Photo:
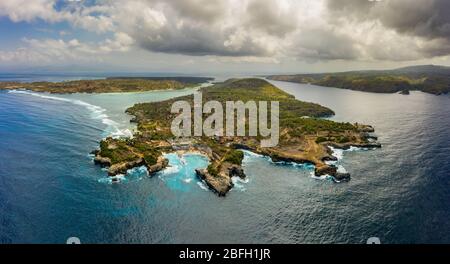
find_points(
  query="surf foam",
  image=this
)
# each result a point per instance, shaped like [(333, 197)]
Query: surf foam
[(97, 113)]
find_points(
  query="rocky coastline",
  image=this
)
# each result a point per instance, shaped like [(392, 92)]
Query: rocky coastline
[(123, 167), (302, 140), (221, 182)]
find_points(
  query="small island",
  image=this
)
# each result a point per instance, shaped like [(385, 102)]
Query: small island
[(109, 85), (304, 137), (427, 78)]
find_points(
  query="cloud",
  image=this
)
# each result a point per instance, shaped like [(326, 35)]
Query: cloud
[(88, 18), (425, 18), (200, 27), (425, 24), (310, 45), (57, 50), (274, 19), (16, 11), (244, 30)]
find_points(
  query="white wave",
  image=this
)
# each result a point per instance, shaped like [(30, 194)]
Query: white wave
[(352, 148), (120, 133), (252, 154), (341, 169), (239, 184), (337, 153), (236, 179), (323, 177), (248, 155), (138, 171), (91, 157), (187, 180), (97, 113), (202, 186), (110, 180), (171, 170)]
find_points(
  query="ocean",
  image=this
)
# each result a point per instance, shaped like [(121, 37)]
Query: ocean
[(50, 189)]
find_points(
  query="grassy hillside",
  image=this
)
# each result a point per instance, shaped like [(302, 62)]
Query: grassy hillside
[(109, 85), (235, 90), (302, 139), (429, 79)]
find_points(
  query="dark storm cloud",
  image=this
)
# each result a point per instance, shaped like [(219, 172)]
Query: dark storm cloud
[(315, 44), (427, 18), (265, 16), (197, 41), (197, 28), (311, 30)]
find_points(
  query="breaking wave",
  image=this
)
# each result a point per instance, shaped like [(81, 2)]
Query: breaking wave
[(97, 113)]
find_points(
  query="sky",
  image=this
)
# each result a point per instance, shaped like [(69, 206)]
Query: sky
[(229, 36)]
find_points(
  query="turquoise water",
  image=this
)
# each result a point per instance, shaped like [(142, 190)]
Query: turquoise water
[(51, 190), (180, 175)]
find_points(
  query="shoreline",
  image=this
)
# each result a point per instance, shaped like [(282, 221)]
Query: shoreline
[(200, 147), (100, 93), (108, 85), (303, 141), (325, 168)]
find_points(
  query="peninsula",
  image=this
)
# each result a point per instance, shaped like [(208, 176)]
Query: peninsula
[(304, 136), (428, 78), (109, 85)]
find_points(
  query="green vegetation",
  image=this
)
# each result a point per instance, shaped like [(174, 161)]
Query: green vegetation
[(110, 85), (303, 134), (429, 79), (149, 152), (237, 90), (234, 157), (297, 118), (212, 169), (117, 150), (128, 150), (343, 139), (321, 140), (260, 90)]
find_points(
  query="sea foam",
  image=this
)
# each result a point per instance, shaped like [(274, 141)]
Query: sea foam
[(97, 113)]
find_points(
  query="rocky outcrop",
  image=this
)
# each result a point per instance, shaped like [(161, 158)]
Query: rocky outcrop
[(365, 128), (278, 156), (404, 92), (102, 161), (330, 158), (159, 166), (332, 171), (346, 146), (369, 136), (236, 171), (342, 177), (221, 183), (122, 168), (325, 170)]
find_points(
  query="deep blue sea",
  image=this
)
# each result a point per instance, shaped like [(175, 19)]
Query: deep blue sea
[(50, 189)]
